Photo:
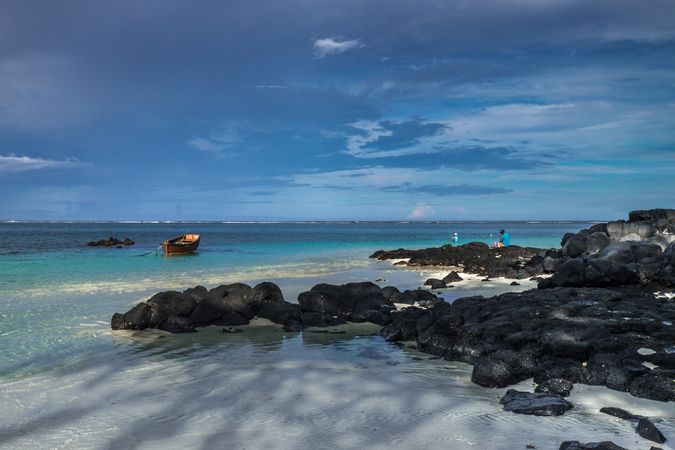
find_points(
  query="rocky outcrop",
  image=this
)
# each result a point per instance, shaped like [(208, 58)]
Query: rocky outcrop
[(110, 242), (654, 226), (617, 264), (573, 335), (225, 305), (638, 251), (478, 258), (236, 304)]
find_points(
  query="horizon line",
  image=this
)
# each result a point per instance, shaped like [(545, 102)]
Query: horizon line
[(343, 221)]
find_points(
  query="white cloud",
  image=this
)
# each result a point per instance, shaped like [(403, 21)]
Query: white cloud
[(329, 46), (12, 163), (421, 211), (220, 143), (272, 86)]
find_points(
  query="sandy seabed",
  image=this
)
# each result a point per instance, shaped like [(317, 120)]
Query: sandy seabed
[(263, 388)]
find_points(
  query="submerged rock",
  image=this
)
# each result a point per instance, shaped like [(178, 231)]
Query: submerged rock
[(110, 242), (604, 445), (620, 413), (538, 404), (647, 430), (435, 283)]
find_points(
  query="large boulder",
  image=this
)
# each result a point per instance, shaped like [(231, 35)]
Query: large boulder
[(266, 292), (167, 304), (225, 305), (137, 318), (327, 304)]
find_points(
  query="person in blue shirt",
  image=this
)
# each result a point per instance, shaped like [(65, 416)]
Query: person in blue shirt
[(505, 239)]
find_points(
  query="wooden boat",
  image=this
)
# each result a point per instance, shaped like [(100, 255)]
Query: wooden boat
[(181, 245)]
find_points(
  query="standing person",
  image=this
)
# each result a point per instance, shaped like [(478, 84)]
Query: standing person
[(455, 238)]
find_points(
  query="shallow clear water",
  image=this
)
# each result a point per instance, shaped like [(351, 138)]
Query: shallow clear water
[(56, 293), (67, 381)]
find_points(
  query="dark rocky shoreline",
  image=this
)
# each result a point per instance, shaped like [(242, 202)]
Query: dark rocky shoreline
[(237, 304), (598, 320), (478, 258)]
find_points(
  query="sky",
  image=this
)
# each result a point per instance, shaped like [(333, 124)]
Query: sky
[(336, 110)]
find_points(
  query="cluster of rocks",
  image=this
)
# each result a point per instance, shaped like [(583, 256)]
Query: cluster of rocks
[(558, 336), (478, 258), (638, 251), (595, 321), (544, 404), (644, 426), (237, 304), (445, 282), (111, 242)]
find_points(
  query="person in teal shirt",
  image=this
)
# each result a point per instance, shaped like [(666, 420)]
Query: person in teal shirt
[(505, 239)]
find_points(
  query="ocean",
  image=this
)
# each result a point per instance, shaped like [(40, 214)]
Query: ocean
[(68, 381)]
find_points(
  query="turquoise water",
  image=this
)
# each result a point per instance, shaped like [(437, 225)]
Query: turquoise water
[(57, 295), (44, 258)]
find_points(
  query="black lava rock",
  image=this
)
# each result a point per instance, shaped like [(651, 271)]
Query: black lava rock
[(452, 277), (475, 257), (557, 386), (538, 404), (620, 413), (576, 445), (647, 430)]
